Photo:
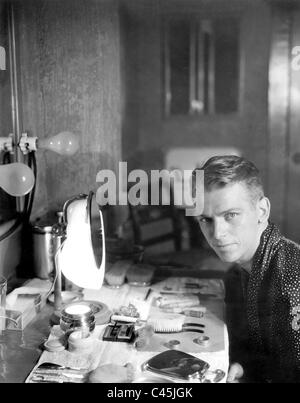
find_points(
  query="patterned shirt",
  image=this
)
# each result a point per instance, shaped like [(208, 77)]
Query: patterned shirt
[(263, 311)]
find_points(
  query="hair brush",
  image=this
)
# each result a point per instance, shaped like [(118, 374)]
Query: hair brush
[(173, 324)]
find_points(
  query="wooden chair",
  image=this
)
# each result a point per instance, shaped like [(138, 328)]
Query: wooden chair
[(157, 227)]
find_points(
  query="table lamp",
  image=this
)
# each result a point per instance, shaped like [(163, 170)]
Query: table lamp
[(80, 257), (17, 179), (63, 143)]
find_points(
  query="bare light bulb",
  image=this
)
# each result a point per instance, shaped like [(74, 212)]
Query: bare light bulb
[(17, 179), (64, 143)]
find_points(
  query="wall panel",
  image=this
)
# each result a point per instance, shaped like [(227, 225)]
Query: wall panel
[(69, 54)]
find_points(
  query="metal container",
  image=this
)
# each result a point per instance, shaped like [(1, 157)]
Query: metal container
[(43, 259), (77, 316)]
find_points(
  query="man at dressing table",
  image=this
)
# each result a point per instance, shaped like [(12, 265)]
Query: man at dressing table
[(263, 286)]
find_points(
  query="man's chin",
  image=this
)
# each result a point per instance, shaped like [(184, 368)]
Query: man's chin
[(227, 257)]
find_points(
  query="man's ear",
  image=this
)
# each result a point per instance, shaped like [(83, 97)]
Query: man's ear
[(264, 207)]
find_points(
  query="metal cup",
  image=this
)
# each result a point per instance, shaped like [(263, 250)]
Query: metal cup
[(3, 290)]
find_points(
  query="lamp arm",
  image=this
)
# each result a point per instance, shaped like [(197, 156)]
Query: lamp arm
[(68, 202), (58, 277)]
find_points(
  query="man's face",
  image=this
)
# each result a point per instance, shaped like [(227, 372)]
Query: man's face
[(230, 223)]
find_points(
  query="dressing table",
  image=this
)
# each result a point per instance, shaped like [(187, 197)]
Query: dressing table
[(22, 351)]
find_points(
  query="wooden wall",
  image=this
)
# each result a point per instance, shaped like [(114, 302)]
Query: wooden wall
[(69, 66), (5, 100)]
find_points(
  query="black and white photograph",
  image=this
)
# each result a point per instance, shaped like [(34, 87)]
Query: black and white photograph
[(150, 194)]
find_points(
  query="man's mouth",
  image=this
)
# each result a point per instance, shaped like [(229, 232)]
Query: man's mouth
[(223, 246)]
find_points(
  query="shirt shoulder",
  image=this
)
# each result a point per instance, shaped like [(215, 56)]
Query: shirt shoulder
[(287, 251), (286, 261)]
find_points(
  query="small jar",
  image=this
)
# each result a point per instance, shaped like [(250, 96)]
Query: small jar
[(140, 274), (77, 316)]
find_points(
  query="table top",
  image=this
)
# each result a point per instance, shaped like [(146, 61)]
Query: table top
[(21, 351), (108, 352)]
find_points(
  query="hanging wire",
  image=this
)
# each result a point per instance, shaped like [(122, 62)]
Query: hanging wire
[(6, 158), (30, 196), (24, 216), (11, 229)]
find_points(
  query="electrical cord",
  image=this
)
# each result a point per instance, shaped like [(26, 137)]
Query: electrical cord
[(6, 158), (30, 196), (12, 228)]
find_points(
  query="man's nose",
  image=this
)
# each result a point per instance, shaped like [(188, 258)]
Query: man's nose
[(219, 230)]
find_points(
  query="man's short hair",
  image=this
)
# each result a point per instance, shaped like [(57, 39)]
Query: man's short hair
[(223, 170)]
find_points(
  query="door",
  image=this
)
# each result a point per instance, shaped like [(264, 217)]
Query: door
[(284, 120)]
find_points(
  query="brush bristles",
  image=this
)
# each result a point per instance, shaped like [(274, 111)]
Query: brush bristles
[(168, 324)]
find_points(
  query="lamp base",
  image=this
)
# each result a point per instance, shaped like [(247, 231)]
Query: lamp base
[(67, 297), (55, 318)]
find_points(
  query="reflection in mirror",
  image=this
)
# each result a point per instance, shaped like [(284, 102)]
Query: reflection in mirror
[(201, 65)]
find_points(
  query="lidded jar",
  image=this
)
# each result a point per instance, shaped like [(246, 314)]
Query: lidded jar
[(77, 316)]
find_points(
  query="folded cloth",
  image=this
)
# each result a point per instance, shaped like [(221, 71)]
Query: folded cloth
[(112, 373), (191, 285)]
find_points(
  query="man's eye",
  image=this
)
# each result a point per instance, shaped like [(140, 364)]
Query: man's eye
[(203, 220), (230, 216)]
